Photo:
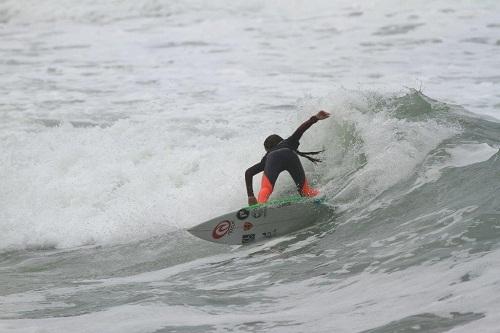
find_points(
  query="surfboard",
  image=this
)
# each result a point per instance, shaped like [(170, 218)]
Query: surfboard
[(262, 222)]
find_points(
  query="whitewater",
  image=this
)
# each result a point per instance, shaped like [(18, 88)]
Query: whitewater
[(123, 123)]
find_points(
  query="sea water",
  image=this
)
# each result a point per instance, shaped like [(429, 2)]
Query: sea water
[(123, 123)]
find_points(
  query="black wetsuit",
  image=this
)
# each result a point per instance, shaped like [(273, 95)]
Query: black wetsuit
[(281, 157)]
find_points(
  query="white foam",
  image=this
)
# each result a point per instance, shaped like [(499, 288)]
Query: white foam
[(69, 186)]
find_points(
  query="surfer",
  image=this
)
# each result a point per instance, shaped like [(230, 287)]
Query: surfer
[(281, 155)]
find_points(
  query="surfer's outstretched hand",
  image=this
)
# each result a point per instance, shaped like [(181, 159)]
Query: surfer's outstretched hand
[(322, 115), (252, 201)]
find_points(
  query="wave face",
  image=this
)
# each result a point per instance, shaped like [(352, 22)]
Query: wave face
[(125, 122)]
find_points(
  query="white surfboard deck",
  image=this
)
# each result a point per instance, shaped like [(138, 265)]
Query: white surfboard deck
[(261, 222)]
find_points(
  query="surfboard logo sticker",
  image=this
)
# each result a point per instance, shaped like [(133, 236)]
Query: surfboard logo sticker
[(245, 239), (242, 214), (258, 212), (222, 228), (247, 226), (269, 234)]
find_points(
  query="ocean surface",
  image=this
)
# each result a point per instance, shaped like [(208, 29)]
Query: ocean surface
[(123, 123)]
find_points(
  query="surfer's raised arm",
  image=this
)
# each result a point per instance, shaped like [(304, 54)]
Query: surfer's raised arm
[(272, 144), (305, 126)]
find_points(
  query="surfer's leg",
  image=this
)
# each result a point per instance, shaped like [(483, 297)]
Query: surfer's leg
[(296, 170), (266, 188), (271, 172)]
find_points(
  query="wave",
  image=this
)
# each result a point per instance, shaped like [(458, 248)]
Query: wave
[(69, 186), (421, 182)]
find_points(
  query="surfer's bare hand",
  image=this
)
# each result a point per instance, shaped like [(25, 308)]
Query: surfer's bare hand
[(322, 115), (252, 201)]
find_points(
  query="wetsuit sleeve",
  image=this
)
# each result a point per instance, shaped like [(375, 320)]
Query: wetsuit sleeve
[(252, 171), (302, 128), (293, 141)]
